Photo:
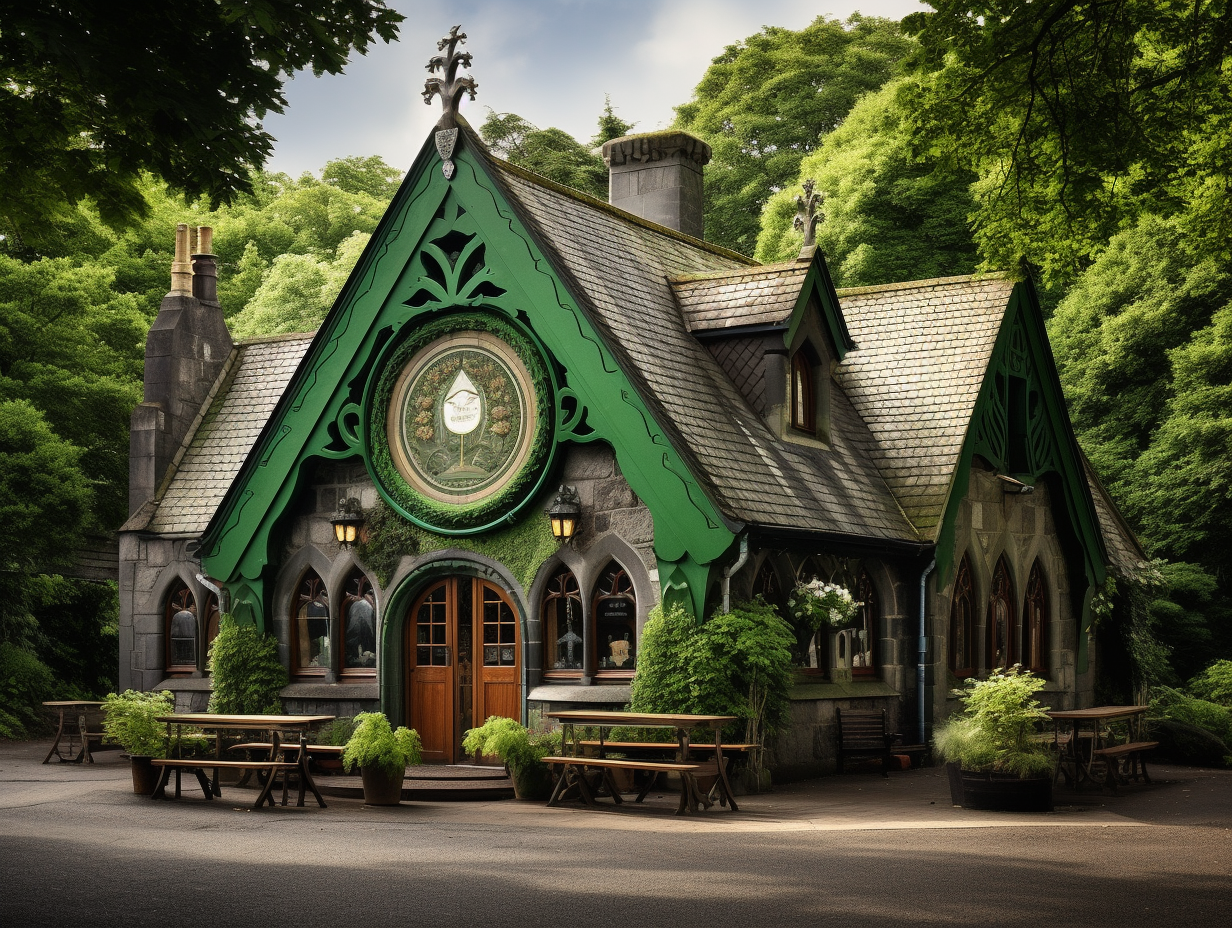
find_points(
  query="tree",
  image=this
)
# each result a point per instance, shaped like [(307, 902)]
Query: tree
[(1079, 115), (552, 153), (889, 215), (93, 95), (766, 102), (611, 126)]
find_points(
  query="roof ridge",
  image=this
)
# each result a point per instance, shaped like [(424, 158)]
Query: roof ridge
[(276, 337), (587, 200), (924, 284), (755, 271)]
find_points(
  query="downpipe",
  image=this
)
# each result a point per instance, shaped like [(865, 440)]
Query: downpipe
[(729, 572), (923, 652)]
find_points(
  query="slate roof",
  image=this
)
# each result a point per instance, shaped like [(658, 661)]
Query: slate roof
[(750, 296), (1125, 554), (620, 268), (924, 348), (251, 386)]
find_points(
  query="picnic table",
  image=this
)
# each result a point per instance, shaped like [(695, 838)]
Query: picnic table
[(275, 762), (575, 761), (1111, 734), (77, 719)]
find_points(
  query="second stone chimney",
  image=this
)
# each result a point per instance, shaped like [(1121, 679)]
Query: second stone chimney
[(658, 176)]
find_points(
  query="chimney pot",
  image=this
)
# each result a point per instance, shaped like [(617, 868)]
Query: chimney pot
[(181, 268), (205, 268)]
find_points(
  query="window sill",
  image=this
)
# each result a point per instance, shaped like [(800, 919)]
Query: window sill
[(856, 689), (603, 693), (303, 689)]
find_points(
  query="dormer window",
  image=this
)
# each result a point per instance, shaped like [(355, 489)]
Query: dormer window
[(803, 405)]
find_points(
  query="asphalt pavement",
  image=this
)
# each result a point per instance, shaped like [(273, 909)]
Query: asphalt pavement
[(78, 847)]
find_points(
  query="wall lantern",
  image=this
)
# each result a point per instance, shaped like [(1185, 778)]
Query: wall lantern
[(564, 513), (347, 522)]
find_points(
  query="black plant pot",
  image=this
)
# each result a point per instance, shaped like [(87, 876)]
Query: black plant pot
[(999, 792)]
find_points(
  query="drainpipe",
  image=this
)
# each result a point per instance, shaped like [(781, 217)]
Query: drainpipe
[(730, 572), (223, 600), (923, 645)]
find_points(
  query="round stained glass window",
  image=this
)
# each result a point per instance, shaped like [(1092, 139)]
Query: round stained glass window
[(459, 426)]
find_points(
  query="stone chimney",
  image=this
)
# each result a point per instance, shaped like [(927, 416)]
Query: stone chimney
[(658, 176), (185, 351)]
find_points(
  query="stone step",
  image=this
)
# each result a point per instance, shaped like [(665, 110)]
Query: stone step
[(432, 783)]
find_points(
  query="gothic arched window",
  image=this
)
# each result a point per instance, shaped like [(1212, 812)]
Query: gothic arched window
[(615, 622), (181, 630), (562, 624), (962, 625), (1002, 625), (358, 626), (1035, 629), (310, 633)]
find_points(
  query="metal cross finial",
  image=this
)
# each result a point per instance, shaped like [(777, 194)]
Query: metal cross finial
[(808, 216), (451, 87)]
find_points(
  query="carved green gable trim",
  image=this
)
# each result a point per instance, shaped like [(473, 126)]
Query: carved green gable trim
[(450, 247), (1020, 425), (818, 285)]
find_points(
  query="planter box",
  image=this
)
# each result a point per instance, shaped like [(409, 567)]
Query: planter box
[(999, 792)]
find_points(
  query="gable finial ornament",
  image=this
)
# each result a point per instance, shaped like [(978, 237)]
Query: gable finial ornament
[(450, 88), (808, 217)]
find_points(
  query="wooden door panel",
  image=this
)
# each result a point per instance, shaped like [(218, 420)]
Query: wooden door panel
[(501, 698), (432, 714)]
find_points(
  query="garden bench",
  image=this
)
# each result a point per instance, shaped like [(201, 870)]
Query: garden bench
[(573, 770), (198, 766), (1125, 760), (662, 746), (862, 733), (318, 751)]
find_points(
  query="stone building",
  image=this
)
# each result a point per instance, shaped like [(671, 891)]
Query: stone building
[(724, 429)]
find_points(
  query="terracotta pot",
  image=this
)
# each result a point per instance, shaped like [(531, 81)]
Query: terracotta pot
[(145, 774), (380, 787), (999, 792)]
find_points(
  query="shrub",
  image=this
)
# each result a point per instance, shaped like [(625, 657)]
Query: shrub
[(1213, 684), (131, 721), (1169, 703), (247, 674), (375, 744), (25, 682), (511, 741), (669, 651), (995, 731)]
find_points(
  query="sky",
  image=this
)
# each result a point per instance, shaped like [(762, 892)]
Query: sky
[(549, 61)]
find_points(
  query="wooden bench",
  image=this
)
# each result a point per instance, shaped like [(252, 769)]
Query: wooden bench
[(333, 751), (703, 746), (198, 766), (1129, 755), (862, 733), (573, 778), (93, 737)]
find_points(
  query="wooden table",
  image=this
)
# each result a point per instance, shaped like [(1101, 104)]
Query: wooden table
[(1090, 731), (682, 724), (273, 725), (72, 726)]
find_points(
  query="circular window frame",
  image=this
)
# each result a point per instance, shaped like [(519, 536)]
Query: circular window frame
[(403, 484)]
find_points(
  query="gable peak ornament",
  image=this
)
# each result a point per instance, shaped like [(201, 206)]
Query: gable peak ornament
[(450, 87), (808, 217)]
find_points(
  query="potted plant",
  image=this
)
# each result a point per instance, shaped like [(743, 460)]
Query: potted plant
[(994, 760), (521, 750), (821, 604), (382, 755), (131, 721)]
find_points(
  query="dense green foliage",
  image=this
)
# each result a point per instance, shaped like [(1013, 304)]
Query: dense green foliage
[(131, 721), (554, 153), (511, 741), (94, 95), (1214, 684), (890, 215), (994, 731), (25, 682), (375, 744), (767, 102), (737, 663), (1078, 116), (247, 675)]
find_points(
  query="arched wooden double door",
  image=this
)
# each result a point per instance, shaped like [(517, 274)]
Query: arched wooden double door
[(463, 656)]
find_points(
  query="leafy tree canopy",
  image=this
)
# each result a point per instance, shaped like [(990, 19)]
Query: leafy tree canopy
[(889, 215), (766, 102), (92, 95), (1078, 115)]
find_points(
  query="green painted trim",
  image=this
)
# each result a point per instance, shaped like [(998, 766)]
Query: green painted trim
[(817, 283), (685, 582), (1022, 347), (320, 415)]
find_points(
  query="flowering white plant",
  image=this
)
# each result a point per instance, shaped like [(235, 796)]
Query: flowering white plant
[(820, 603)]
